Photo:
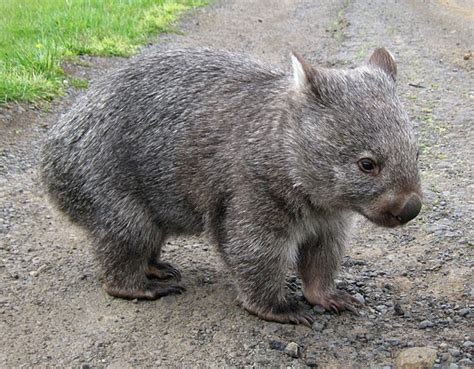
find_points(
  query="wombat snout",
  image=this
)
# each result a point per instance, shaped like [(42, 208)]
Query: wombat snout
[(410, 210)]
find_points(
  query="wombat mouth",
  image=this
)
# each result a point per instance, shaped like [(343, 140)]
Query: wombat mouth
[(385, 220), (393, 215)]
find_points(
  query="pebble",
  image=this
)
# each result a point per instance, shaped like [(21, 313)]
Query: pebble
[(318, 309), (293, 350), (318, 326), (425, 324), (359, 298), (398, 309), (393, 341), (277, 345), (466, 362), (311, 361), (444, 356), (454, 352), (464, 312), (467, 344), (453, 366)]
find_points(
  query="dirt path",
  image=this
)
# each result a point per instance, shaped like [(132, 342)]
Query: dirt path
[(416, 281)]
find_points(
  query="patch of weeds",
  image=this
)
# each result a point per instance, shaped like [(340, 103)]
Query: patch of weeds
[(78, 82), (363, 52), (36, 37), (338, 26)]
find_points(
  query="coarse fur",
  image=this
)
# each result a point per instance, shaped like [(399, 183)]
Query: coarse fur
[(266, 163)]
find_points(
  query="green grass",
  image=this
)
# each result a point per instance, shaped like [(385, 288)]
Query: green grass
[(36, 36)]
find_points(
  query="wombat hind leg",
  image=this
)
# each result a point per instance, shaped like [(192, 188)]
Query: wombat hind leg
[(151, 291), (283, 313), (162, 270), (128, 256)]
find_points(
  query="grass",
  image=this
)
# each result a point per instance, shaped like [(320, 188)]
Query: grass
[(36, 36)]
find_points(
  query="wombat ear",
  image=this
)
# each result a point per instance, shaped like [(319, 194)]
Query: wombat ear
[(385, 61), (303, 72)]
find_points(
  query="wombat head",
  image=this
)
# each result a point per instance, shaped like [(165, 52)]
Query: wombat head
[(352, 142)]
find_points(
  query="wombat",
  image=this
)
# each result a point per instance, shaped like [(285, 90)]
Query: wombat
[(270, 165)]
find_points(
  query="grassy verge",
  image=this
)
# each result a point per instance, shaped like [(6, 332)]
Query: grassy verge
[(37, 35)]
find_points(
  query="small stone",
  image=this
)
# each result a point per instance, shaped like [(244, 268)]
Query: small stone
[(293, 350), (467, 344), (464, 312), (454, 352), (425, 324), (398, 309), (467, 362), (311, 361), (359, 298), (453, 366), (393, 341), (416, 358), (86, 366), (443, 345), (318, 309), (437, 366), (277, 345), (135, 301), (444, 356), (319, 326)]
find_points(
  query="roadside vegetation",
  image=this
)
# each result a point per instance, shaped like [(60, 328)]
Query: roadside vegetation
[(37, 36)]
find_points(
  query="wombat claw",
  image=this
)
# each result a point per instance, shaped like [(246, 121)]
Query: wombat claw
[(153, 290), (339, 301), (163, 271), (293, 317)]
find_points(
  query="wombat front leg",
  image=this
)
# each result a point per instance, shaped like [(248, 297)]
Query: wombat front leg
[(262, 291), (259, 261), (319, 262)]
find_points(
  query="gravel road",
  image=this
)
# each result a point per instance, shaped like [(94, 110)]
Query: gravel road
[(417, 281)]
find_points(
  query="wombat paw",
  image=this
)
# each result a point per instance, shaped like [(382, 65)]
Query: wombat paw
[(335, 300), (287, 313), (163, 271), (152, 291)]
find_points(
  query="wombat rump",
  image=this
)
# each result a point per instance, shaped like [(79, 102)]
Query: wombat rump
[(270, 165)]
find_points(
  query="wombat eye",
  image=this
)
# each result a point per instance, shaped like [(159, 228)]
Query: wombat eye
[(368, 166)]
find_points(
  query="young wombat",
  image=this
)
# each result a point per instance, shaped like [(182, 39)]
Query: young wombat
[(269, 165)]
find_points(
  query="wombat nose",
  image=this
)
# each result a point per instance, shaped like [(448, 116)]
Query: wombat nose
[(410, 210)]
